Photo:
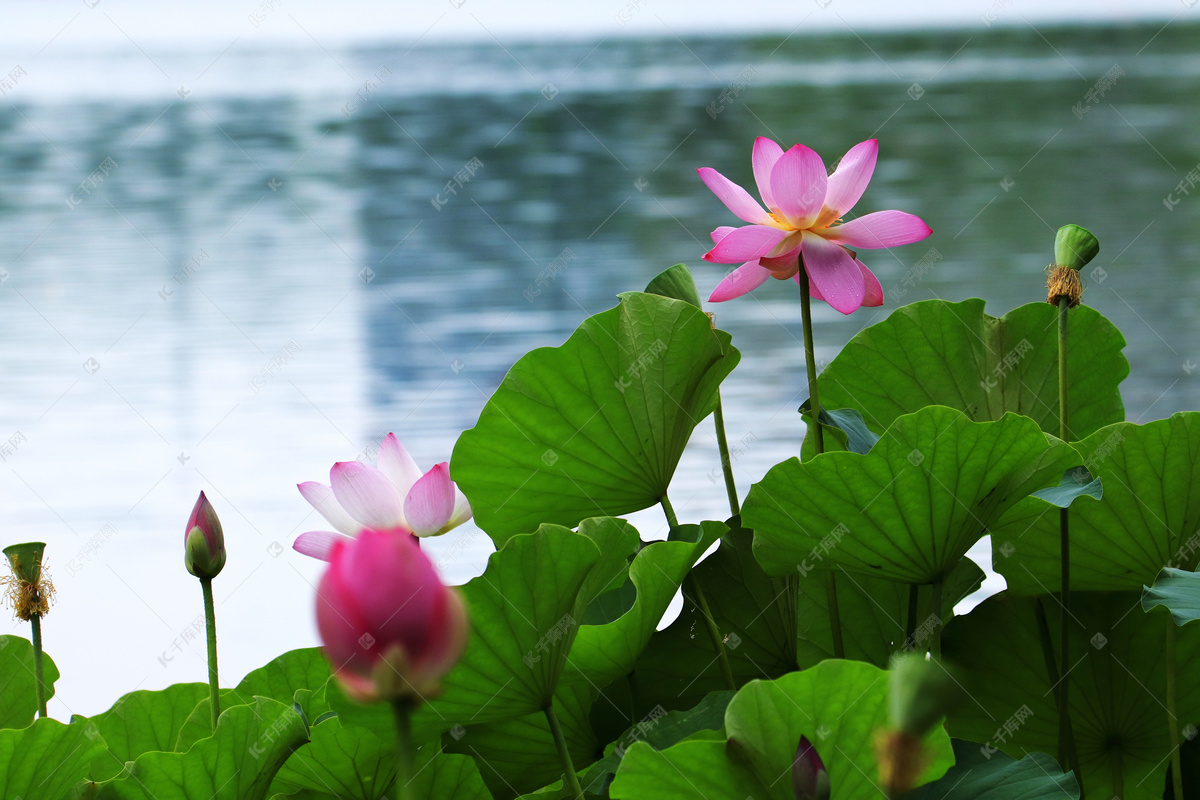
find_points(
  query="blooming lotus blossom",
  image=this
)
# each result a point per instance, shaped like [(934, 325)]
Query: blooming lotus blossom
[(389, 625), (802, 222), (392, 495)]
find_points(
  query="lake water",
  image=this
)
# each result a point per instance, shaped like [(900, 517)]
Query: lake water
[(272, 273)]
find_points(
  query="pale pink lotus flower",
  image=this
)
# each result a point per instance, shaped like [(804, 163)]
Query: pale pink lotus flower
[(393, 494), (806, 206)]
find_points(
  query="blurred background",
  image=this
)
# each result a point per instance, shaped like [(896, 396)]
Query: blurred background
[(240, 241)]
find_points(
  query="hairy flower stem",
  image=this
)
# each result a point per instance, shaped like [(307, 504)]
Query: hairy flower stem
[(1066, 739), (726, 464), (40, 680), (693, 585), (210, 623), (570, 779), (1172, 719), (402, 712), (810, 360)]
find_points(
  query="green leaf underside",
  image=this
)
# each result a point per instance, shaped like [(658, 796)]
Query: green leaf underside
[(677, 283), (237, 763), (912, 507), (937, 353), (147, 721), (1149, 517), (852, 432), (18, 689), (595, 427), (1179, 591), (1075, 483), (348, 762), (1118, 682), (43, 761), (838, 705), (996, 776)]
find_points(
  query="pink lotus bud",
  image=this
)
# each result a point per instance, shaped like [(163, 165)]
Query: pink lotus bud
[(810, 780), (203, 541), (391, 628)]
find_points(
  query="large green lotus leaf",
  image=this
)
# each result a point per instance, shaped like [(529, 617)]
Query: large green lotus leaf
[(909, 509), (45, 760), (595, 427), (838, 705), (1149, 517), (603, 653), (1118, 682), (874, 614), (518, 755), (953, 354), (751, 611), (348, 762), (18, 688), (676, 282), (1179, 591), (146, 722), (524, 611), (279, 679), (237, 763), (996, 776), (449, 777)]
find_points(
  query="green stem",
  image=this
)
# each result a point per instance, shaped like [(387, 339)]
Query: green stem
[(1069, 756), (571, 780), (40, 680), (814, 402), (1172, 719), (726, 463), (936, 647), (698, 593), (210, 623), (1066, 737), (910, 625), (1118, 775), (402, 712)]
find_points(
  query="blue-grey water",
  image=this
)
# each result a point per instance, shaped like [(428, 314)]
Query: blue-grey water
[(226, 271)]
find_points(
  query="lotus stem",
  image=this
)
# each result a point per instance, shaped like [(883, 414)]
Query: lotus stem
[(39, 676), (1055, 678), (570, 779), (910, 624), (698, 593), (210, 623), (402, 711), (1172, 719), (810, 360), (726, 464), (936, 647), (1118, 775)]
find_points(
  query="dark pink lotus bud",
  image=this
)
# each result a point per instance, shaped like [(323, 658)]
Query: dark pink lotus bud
[(203, 541), (391, 628), (810, 781)]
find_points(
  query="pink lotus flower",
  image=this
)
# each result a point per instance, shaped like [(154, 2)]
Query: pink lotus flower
[(805, 206), (389, 625), (392, 495)]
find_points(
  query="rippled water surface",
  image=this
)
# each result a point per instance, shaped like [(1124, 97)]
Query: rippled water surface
[(273, 273)]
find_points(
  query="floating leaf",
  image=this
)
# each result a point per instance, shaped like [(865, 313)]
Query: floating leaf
[(238, 762), (909, 509), (1179, 591), (976, 776), (18, 689), (953, 354), (595, 427), (838, 705), (1149, 517), (1118, 682)]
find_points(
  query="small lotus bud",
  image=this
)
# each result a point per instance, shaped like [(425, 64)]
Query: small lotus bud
[(810, 780), (203, 541), (1074, 247), (29, 590), (920, 693)]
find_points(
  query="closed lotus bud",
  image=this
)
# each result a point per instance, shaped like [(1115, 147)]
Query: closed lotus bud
[(203, 541), (810, 780), (29, 590), (390, 627)]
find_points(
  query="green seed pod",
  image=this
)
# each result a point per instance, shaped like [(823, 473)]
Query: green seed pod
[(1074, 247)]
